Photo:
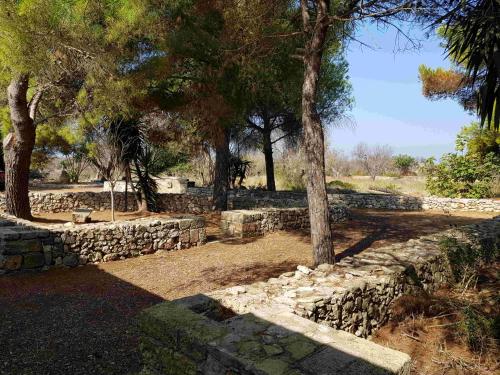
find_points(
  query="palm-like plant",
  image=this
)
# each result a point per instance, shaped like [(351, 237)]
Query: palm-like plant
[(472, 30)]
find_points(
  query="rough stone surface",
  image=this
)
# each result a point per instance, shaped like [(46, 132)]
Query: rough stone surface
[(23, 245), (199, 200), (250, 199), (194, 336), (356, 294), (67, 202), (248, 223)]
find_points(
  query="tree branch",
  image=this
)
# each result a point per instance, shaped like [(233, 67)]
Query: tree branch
[(34, 102)]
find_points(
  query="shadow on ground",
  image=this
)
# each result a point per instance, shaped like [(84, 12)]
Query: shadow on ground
[(65, 324)]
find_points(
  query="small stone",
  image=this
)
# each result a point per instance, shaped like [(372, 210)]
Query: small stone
[(13, 262), (273, 349), (305, 270), (111, 257), (33, 260), (70, 260)]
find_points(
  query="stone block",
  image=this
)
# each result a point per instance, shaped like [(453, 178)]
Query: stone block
[(13, 262), (33, 260), (70, 260), (23, 246)]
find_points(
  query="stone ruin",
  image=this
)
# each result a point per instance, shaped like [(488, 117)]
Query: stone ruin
[(305, 322)]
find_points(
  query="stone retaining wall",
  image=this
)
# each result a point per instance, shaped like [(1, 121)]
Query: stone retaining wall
[(25, 246), (249, 223), (65, 202), (356, 294)]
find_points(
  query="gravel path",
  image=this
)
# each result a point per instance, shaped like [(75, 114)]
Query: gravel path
[(81, 321)]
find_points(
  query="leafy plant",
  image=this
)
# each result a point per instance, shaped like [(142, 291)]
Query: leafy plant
[(477, 329), (465, 259), (404, 163), (462, 176)]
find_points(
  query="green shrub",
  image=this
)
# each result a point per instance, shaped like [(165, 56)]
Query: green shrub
[(478, 330), (465, 259), (404, 163), (460, 176)]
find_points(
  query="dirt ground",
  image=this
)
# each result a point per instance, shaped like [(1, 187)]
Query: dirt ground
[(81, 321), (431, 329)]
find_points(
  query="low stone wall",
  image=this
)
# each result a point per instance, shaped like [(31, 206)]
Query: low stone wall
[(249, 223), (25, 246), (195, 335), (250, 199), (410, 203), (356, 294), (199, 200), (65, 202)]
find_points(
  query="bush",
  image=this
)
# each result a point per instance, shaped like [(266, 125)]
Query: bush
[(404, 163), (478, 330), (465, 259), (291, 171), (341, 186), (459, 176)]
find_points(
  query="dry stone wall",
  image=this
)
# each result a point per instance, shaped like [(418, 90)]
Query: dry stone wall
[(410, 203), (249, 223), (356, 294), (65, 202), (25, 246), (199, 200)]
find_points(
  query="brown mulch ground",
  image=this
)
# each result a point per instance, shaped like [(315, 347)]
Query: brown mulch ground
[(432, 331), (81, 321)]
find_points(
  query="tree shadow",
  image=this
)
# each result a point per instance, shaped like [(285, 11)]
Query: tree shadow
[(268, 340), (70, 321)]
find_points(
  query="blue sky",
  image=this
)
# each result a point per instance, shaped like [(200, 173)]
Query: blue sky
[(389, 106)]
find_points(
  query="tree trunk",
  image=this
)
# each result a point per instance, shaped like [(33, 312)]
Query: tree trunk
[(221, 180), (321, 236), (112, 193), (18, 146), (268, 155)]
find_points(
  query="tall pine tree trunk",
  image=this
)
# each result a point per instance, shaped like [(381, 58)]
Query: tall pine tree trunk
[(268, 156), (18, 146), (321, 236), (221, 179)]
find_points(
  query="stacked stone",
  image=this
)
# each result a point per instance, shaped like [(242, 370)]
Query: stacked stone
[(195, 204), (101, 201), (246, 223), (24, 246), (409, 203), (461, 204), (191, 336), (356, 294)]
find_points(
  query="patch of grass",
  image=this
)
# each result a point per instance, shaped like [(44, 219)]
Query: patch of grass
[(386, 188), (341, 186)]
